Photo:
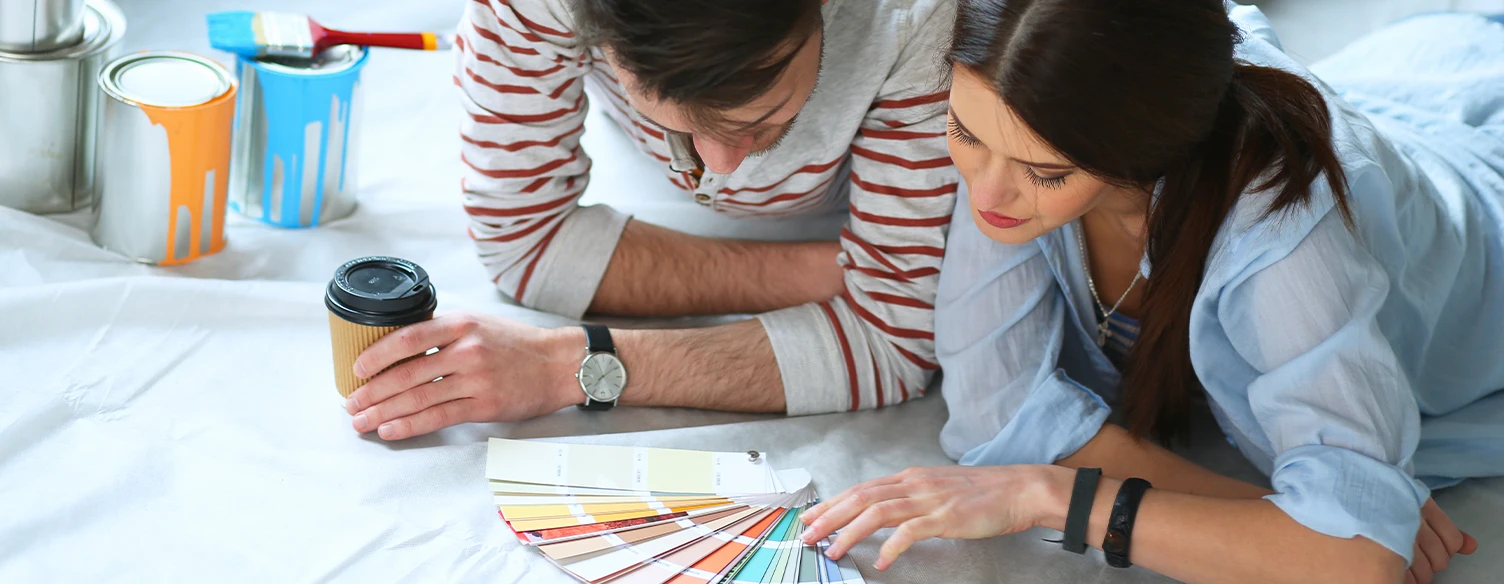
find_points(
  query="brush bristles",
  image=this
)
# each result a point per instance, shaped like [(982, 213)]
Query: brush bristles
[(262, 34), (236, 32)]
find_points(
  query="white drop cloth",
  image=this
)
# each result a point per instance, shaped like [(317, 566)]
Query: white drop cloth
[(174, 425)]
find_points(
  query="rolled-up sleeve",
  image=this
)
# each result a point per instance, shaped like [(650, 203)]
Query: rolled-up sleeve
[(521, 71), (1000, 324), (1330, 397), (873, 346)]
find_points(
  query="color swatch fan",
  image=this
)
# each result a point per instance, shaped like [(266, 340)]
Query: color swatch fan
[(653, 516)]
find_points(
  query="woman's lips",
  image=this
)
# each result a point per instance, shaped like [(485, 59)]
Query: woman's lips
[(1001, 221)]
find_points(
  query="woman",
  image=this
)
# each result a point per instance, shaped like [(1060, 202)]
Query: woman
[(1163, 207)]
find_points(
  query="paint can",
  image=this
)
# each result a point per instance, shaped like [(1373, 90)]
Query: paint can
[(296, 128), (49, 117), (39, 26), (164, 156)]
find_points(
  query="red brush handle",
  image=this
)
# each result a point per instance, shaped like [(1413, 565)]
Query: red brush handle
[(376, 39), (325, 38)]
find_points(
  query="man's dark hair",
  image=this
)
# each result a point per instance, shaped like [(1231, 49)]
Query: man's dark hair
[(706, 55)]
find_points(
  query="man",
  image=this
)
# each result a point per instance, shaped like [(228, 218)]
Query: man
[(754, 108)]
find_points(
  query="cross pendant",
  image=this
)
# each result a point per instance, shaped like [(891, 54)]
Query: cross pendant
[(1102, 334)]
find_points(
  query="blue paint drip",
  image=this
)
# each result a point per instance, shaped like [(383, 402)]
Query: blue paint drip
[(289, 104)]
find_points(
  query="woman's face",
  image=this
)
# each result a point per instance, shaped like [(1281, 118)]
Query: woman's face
[(1020, 188)]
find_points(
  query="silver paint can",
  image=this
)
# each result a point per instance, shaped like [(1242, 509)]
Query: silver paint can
[(49, 118), (39, 26), (296, 128), (164, 156)]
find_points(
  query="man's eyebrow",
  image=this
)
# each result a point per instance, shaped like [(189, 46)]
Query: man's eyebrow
[(771, 111), (739, 127), (1045, 165), (652, 121)]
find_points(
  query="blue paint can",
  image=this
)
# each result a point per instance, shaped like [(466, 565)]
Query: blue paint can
[(296, 128)]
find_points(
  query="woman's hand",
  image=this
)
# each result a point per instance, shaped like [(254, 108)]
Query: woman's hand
[(1439, 539), (959, 502)]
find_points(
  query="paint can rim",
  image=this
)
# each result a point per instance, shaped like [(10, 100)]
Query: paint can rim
[(109, 78), (104, 26), (349, 58)]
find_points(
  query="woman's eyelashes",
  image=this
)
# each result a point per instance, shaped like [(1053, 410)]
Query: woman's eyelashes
[(960, 134), (1049, 182), (965, 138)]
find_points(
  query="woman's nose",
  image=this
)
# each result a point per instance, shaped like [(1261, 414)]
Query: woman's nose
[(989, 189)]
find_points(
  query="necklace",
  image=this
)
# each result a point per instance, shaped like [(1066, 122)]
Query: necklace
[(1103, 331)]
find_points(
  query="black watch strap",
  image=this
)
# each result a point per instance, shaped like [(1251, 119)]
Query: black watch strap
[(1078, 515), (1116, 545), (598, 339)]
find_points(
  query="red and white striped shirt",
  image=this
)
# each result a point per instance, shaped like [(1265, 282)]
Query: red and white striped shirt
[(871, 137)]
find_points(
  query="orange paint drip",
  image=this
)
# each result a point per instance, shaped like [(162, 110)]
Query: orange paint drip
[(198, 141)]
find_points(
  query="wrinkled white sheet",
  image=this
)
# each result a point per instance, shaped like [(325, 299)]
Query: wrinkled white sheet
[(167, 425)]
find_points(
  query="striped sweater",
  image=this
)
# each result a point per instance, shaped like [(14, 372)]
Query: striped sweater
[(871, 138)]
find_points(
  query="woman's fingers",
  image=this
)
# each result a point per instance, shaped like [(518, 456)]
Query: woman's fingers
[(883, 514), (1469, 545), (907, 534), (1420, 567), (1431, 545), (815, 512), (852, 504), (1451, 537)]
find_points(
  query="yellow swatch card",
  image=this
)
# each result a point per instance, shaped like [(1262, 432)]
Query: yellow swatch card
[(628, 468)]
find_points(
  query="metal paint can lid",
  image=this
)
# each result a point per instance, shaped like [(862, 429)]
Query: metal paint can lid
[(104, 25), (165, 79), (336, 59)]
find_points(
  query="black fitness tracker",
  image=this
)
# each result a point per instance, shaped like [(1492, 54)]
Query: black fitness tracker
[(1083, 493), (1119, 537)]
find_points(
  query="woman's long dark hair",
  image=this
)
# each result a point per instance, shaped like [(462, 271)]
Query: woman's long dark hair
[(1135, 92)]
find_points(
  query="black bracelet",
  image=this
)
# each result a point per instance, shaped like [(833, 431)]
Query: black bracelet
[(1119, 537), (1078, 515)]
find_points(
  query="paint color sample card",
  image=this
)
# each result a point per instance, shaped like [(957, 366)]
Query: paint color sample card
[(627, 468), (629, 515)]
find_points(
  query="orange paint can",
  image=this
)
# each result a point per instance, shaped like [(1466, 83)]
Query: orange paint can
[(164, 157)]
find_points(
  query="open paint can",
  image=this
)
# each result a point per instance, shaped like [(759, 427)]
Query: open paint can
[(296, 130), (49, 115), (164, 156), (39, 26)]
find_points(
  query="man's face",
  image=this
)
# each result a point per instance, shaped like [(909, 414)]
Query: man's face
[(748, 130)]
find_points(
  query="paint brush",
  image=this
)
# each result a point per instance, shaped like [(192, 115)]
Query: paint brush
[(281, 34)]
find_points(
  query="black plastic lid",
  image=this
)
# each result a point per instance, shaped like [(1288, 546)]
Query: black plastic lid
[(381, 291)]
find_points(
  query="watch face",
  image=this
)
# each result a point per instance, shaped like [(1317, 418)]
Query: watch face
[(602, 377)]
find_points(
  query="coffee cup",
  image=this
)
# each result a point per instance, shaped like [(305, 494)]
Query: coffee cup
[(369, 298)]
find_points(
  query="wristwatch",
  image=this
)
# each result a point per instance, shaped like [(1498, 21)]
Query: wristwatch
[(602, 376)]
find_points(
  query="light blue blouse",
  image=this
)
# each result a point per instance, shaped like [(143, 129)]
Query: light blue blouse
[(1357, 370)]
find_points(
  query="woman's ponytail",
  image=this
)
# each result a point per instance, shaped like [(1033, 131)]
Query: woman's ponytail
[(1272, 133)]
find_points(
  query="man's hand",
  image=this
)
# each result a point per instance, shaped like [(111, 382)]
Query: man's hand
[(498, 370), (492, 370)]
